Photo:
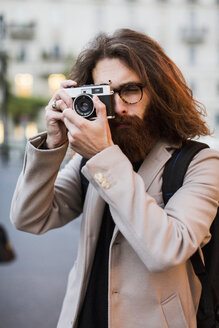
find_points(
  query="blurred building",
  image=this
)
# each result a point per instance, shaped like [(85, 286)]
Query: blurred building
[(44, 37)]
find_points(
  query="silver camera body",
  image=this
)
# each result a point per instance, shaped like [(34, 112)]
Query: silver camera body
[(83, 102)]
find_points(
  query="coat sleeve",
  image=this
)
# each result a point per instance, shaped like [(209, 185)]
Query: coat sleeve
[(46, 198), (162, 237)]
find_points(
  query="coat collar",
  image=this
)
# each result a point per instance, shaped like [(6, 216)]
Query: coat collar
[(154, 161)]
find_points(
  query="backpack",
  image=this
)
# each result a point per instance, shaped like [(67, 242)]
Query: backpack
[(208, 274)]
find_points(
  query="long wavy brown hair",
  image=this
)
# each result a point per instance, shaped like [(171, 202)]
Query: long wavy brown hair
[(173, 113)]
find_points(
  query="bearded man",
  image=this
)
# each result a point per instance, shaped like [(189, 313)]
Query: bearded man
[(133, 268)]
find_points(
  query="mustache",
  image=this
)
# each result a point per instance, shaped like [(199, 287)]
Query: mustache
[(133, 120)]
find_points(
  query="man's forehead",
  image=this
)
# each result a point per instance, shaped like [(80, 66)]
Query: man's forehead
[(114, 71)]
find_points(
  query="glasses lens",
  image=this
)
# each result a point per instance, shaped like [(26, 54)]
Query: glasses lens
[(131, 93)]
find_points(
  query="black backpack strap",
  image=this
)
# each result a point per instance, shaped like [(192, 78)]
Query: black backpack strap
[(173, 177), (84, 181), (177, 166), (206, 311), (211, 255)]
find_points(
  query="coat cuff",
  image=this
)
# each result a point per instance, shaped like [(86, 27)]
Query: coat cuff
[(99, 169)]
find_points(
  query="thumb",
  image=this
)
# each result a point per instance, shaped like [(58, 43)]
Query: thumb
[(100, 108)]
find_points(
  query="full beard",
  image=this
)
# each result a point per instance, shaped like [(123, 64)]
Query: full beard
[(132, 135)]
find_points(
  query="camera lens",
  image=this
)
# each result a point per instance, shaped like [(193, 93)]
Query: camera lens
[(84, 105)]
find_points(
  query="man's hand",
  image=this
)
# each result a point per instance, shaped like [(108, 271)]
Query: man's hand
[(56, 129), (88, 137)]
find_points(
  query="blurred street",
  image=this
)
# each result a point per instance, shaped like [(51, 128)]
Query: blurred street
[(39, 44), (33, 286)]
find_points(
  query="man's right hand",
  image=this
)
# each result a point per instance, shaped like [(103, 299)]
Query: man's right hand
[(56, 129)]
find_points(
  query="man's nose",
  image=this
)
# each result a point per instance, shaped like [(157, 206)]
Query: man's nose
[(120, 106)]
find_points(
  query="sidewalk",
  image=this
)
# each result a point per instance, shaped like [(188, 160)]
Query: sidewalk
[(33, 286)]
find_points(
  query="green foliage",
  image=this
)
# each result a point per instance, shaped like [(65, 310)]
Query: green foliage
[(28, 107)]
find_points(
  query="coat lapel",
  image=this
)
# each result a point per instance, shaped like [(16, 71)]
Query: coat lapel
[(153, 163)]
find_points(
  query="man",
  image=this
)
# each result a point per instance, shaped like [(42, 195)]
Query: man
[(133, 268)]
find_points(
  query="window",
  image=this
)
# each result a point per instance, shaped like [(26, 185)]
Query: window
[(192, 1), (217, 118), (217, 55), (192, 55), (217, 88), (22, 54), (56, 51)]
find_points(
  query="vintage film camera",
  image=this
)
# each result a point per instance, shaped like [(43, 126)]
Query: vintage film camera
[(83, 102)]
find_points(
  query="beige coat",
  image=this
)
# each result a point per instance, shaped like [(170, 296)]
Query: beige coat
[(151, 281)]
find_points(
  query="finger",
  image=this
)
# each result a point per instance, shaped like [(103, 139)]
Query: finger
[(79, 121), (72, 143), (67, 84), (60, 105), (68, 124), (73, 131), (61, 95), (54, 115), (100, 108)]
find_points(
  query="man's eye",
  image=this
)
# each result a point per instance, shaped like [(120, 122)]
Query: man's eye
[(131, 89)]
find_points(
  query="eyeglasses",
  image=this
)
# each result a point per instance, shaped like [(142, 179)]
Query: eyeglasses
[(130, 93)]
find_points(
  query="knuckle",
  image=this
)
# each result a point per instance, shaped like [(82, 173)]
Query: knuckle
[(59, 103), (47, 110), (71, 139), (48, 115), (63, 83), (101, 107), (56, 95), (72, 135), (82, 125), (66, 113)]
